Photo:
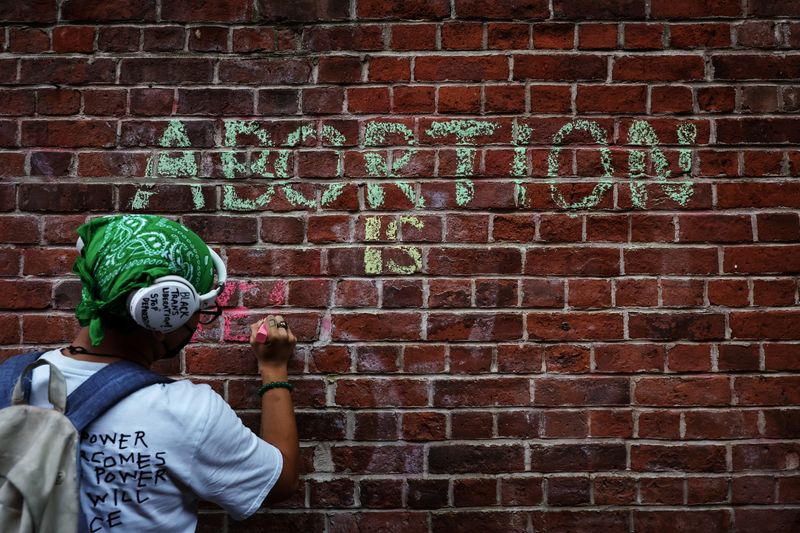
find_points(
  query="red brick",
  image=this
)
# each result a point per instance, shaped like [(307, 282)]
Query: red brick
[(565, 491), (565, 67), (108, 11), (376, 326), (597, 36), (24, 294), (208, 39), (273, 262), (402, 293), (551, 98), (689, 358), (644, 36), (164, 38), (654, 521), (349, 37), (459, 99), (661, 424), (424, 358), (504, 36), (587, 294), (706, 490), (423, 426), (64, 197), (474, 492), (706, 35), (504, 99), (502, 9), (593, 261), (611, 98), (683, 391), (637, 292), (61, 229), (663, 68), (671, 261), (118, 39), (721, 424), (414, 99), (752, 66), (49, 261), (380, 393), (629, 358), (17, 102), (553, 36), (48, 329), (601, 9), (167, 70), (104, 102), (760, 99), (474, 327), (303, 10), (686, 457), (761, 259), (58, 102), (461, 68), (379, 359), (671, 99), (682, 293), (482, 459), (368, 100), (675, 326), (28, 40), (462, 35), (775, 292), (778, 227), (260, 39), (339, 69), (682, 9), (73, 39), (391, 522), (208, 11), (414, 37), (615, 423), (278, 101), (716, 99), (755, 34), (610, 490), (380, 493), (396, 9)]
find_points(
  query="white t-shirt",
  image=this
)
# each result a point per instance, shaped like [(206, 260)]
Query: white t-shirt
[(147, 460)]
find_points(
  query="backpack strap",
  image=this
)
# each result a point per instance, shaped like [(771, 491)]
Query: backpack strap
[(10, 371), (105, 388)]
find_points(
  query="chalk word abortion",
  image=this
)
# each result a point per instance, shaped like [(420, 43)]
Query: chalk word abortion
[(178, 160)]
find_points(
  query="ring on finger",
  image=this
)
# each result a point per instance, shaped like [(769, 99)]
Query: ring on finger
[(282, 324)]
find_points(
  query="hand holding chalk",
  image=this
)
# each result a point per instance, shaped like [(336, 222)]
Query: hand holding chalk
[(263, 333)]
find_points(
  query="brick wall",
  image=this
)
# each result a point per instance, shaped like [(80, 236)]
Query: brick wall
[(540, 255)]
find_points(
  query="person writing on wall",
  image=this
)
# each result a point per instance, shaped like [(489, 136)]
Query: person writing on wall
[(147, 282)]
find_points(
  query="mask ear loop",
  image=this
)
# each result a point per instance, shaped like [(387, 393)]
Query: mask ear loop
[(207, 299)]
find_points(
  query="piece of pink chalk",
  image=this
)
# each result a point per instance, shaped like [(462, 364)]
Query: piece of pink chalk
[(263, 333)]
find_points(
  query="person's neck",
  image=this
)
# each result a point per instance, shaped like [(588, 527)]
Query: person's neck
[(113, 347)]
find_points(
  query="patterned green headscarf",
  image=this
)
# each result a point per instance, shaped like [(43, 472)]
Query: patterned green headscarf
[(127, 252)]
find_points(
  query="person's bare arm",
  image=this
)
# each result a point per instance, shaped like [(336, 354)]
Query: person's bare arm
[(278, 425)]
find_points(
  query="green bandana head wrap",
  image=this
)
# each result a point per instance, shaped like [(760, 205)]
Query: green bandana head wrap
[(127, 252)]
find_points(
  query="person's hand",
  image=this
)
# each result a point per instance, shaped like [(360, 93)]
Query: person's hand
[(276, 352)]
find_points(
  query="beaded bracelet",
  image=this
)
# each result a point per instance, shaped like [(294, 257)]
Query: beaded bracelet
[(275, 385)]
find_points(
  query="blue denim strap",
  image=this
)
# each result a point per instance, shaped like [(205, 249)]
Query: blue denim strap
[(10, 371), (105, 388)]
